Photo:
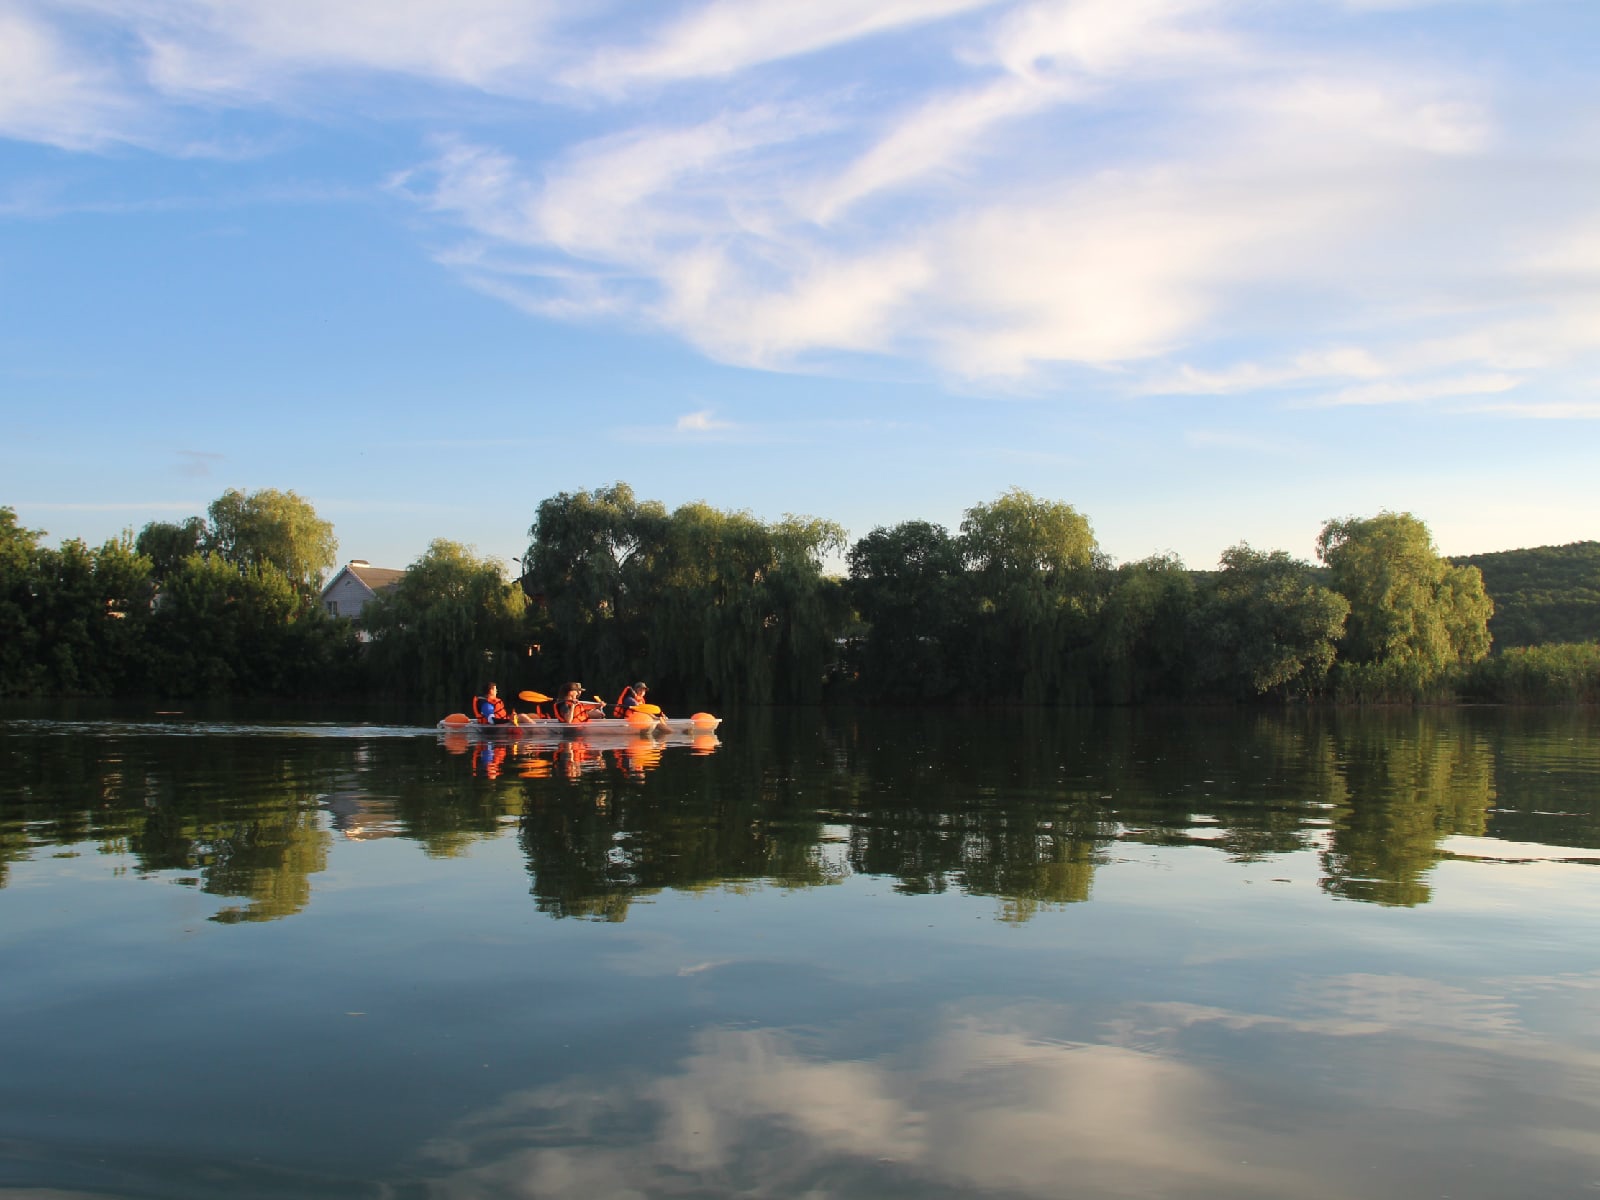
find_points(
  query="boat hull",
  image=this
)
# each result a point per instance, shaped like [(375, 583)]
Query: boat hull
[(600, 727)]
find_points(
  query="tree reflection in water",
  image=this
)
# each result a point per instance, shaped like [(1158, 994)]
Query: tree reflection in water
[(1028, 807)]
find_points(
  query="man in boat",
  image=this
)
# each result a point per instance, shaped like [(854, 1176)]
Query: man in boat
[(632, 697), (571, 707), (491, 710)]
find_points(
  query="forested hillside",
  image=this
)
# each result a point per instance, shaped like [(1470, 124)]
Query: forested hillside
[(1542, 595)]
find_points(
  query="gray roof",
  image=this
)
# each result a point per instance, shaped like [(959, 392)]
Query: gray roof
[(376, 578)]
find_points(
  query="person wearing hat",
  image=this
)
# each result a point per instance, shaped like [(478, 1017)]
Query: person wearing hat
[(632, 696), (571, 707)]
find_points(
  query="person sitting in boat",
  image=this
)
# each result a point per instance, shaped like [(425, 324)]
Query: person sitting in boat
[(571, 707), (632, 696), (491, 710)]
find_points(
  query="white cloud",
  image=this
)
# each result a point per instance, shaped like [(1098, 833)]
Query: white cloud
[(931, 139), (1553, 411), (1187, 194), (51, 92), (1111, 40), (1418, 391), (239, 47), (704, 421), (843, 304), (1345, 362), (728, 36), (1366, 104)]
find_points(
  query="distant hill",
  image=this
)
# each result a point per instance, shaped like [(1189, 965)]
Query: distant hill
[(1542, 595)]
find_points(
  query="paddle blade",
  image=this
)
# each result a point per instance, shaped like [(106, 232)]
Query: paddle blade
[(533, 697), (653, 709), (457, 719)]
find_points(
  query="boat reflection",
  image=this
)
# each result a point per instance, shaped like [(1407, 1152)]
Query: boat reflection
[(543, 756)]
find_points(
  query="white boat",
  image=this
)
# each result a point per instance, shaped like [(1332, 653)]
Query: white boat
[(613, 727)]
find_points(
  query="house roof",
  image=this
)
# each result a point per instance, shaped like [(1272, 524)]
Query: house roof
[(375, 579)]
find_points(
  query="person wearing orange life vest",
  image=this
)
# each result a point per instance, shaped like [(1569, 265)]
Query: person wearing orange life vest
[(632, 696), (571, 707), (489, 709)]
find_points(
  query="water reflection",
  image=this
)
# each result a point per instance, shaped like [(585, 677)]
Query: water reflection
[(1028, 809), (536, 756), (1044, 1099)]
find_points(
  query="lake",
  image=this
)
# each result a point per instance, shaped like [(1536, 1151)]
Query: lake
[(822, 954)]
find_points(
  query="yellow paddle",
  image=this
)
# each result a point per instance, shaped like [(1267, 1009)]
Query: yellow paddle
[(533, 697)]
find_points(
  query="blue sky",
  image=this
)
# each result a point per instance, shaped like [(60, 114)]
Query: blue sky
[(1210, 271)]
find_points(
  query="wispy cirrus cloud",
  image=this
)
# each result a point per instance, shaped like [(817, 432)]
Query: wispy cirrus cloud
[(728, 36), (53, 91), (1031, 187), (1453, 387), (993, 230)]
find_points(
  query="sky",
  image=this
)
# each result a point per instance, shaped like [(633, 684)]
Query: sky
[(1210, 271)]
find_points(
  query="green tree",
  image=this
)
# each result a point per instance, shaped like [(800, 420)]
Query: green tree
[(1412, 614), (1266, 625), (1142, 634), (741, 611), (18, 582), (591, 562), (220, 630), (272, 527), (1035, 567), (907, 584), (450, 625), (166, 544), (87, 615)]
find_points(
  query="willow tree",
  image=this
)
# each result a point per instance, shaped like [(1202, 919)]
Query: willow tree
[(741, 610), (1034, 564), (167, 544), (590, 563), (1141, 632), (809, 607), (449, 626), (1412, 614), (274, 528)]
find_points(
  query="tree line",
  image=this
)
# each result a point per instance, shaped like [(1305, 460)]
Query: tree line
[(1019, 605)]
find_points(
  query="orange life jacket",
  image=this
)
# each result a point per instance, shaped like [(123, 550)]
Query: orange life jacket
[(497, 713)]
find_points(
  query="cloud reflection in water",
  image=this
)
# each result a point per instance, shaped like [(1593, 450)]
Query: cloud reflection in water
[(1175, 1100)]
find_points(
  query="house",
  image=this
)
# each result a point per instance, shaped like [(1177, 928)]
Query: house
[(354, 587)]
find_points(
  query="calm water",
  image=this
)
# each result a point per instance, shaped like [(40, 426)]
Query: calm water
[(827, 955)]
